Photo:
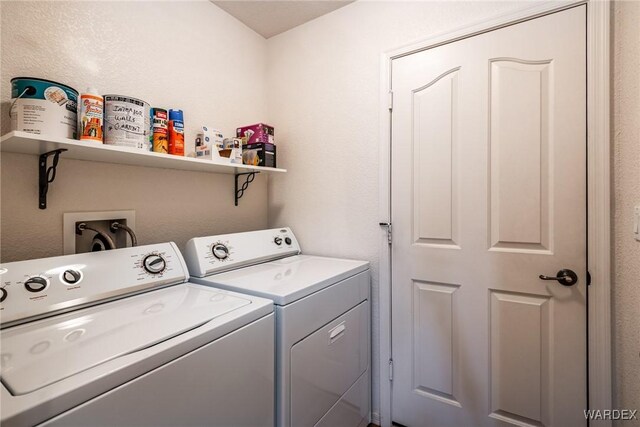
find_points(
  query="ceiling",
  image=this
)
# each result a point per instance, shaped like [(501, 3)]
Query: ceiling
[(269, 18)]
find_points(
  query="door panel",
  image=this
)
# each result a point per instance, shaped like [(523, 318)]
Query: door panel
[(434, 350), (434, 115), (519, 162), (520, 334), (488, 192)]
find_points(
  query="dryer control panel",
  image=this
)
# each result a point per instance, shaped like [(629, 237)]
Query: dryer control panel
[(215, 254), (37, 288)]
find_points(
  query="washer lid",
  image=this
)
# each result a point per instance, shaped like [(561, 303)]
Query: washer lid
[(40, 353), (288, 279)]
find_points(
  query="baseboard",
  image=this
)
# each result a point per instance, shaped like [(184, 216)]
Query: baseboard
[(375, 418)]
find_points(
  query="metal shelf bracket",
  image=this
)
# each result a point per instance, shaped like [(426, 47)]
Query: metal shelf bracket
[(47, 175), (241, 189)]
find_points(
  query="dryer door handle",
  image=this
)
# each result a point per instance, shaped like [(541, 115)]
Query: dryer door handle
[(336, 333)]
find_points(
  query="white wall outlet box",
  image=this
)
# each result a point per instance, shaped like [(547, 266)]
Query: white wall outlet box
[(74, 243), (636, 223)]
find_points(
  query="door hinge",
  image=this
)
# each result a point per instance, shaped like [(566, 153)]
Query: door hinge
[(390, 101), (388, 226), (390, 369)]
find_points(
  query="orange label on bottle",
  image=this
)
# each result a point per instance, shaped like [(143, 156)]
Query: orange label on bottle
[(91, 117), (176, 138)]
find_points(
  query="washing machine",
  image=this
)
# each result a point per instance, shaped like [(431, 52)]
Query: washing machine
[(122, 338), (322, 320)]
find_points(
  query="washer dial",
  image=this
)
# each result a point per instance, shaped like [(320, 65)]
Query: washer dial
[(278, 240), (154, 264), (36, 284), (3, 294), (220, 251)]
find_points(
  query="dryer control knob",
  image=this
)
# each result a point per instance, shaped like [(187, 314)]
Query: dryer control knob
[(278, 240), (220, 251), (35, 284), (154, 264), (287, 240), (3, 295)]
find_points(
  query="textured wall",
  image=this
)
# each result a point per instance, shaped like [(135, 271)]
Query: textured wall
[(323, 91), (626, 191), (323, 83), (188, 55)]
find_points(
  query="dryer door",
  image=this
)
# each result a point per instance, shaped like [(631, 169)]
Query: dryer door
[(326, 363)]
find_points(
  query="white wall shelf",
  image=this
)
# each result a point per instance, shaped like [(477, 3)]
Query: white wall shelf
[(27, 143), (43, 146)]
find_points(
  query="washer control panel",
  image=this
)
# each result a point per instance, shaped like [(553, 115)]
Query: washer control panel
[(36, 288), (214, 254)]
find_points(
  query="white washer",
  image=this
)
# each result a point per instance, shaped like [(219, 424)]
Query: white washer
[(121, 338), (322, 320)]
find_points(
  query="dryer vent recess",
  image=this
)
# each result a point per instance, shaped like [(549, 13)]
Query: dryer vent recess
[(104, 235), (98, 231)]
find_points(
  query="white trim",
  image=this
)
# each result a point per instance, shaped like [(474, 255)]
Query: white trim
[(527, 13), (598, 175), (384, 284), (375, 418), (599, 205)]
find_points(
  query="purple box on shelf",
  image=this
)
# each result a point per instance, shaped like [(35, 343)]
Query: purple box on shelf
[(257, 133)]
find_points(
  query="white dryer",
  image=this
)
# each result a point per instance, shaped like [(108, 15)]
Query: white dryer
[(121, 338), (322, 320)]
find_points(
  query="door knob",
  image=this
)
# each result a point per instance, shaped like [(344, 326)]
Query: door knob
[(565, 277)]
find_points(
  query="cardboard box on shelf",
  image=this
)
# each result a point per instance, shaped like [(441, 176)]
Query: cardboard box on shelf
[(259, 154), (257, 133), (208, 142)]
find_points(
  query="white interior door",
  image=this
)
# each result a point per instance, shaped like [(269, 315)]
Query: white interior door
[(488, 193)]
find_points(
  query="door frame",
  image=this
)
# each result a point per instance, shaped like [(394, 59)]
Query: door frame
[(598, 192)]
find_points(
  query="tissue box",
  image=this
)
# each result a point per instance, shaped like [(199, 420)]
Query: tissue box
[(257, 133), (260, 154)]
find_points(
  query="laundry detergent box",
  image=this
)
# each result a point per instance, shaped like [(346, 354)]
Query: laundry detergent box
[(258, 133)]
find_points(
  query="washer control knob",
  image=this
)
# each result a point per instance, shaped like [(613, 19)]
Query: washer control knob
[(3, 294), (278, 240), (71, 277), (287, 240), (35, 284), (154, 264), (220, 251)]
